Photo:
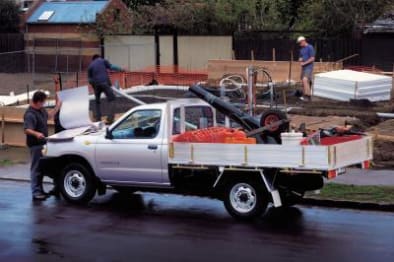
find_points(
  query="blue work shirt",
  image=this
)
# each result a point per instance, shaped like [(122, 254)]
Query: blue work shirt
[(307, 52), (97, 71)]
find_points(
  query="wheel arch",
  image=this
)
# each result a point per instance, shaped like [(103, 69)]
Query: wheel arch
[(230, 175), (52, 167), (70, 158), (245, 196)]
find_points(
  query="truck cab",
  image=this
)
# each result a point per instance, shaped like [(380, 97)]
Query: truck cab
[(131, 154)]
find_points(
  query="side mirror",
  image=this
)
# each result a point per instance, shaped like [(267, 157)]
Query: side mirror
[(108, 134)]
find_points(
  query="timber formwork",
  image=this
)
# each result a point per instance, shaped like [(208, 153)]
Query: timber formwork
[(280, 71), (12, 132)]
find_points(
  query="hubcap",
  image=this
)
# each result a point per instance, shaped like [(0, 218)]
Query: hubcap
[(74, 183), (272, 119), (243, 197)]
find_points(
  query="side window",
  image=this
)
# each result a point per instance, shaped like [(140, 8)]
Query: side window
[(142, 124), (196, 117)]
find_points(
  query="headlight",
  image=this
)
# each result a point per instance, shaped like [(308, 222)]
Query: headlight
[(44, 150)]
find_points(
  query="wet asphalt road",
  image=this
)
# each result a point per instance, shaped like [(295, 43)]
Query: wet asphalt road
[(152, 227)]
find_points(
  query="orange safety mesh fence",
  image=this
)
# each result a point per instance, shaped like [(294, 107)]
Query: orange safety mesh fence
[(164, 75), (214, 135), (370, 69)]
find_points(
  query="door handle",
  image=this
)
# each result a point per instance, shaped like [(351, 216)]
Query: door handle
[(152, 147)]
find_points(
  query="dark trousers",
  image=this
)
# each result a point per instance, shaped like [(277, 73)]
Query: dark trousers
[(107, 90), (35, 174)]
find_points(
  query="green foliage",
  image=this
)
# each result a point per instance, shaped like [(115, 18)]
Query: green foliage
[(185, 15), (6, 162), (325, 17), (196, 16), (271, 15), (112, 21), (340, 17), (135, 4), (9, 16)]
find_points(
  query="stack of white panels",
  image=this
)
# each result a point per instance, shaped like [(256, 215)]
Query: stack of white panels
[(8, 100), (344, 85)]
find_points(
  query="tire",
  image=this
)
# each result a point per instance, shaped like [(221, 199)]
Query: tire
[(290, 199), (77, 184), (245, 200), (271, 116)]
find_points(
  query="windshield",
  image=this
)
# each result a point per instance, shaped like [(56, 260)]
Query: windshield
[(139, 124)]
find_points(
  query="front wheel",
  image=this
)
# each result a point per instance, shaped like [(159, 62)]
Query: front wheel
[(77, 184), (245, 200)]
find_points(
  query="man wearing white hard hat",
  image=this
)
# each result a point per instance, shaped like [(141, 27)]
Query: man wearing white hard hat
[(307, 57)]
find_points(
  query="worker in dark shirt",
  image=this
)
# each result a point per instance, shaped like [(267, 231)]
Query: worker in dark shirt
[(36, 130), (101, 83)]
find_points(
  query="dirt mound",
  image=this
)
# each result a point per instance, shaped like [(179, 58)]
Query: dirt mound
[(383, 153), (316, 122), (385, 128), (383, 143)]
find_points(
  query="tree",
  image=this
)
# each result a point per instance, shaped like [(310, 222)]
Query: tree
[(288, 12), (216, 16), (268, 15), (340, 17), (184, 15), (194, 16), (135, 4), (9, 17), (325, 17)]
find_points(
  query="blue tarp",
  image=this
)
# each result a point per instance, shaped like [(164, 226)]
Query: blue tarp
[(83, 12)]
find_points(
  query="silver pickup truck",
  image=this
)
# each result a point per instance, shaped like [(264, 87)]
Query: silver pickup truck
[(137, 153)]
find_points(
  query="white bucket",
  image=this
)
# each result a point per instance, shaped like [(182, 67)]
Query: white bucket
[(293, 138)]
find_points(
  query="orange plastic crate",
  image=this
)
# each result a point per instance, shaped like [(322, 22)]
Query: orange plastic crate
[(235, 140)]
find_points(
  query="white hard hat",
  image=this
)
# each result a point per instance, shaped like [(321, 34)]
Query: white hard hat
[(300, 38)]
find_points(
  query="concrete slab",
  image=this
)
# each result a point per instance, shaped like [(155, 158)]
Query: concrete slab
[(366, 177), (20, 172)]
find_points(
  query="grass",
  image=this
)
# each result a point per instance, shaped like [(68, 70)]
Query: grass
[(6, 162), (13, 155), (370, 194)]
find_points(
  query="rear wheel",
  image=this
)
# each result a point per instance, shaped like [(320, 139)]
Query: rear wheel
[(77, 183), (245, 199)]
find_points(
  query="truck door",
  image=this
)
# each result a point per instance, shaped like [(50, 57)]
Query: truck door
[(134, 153)]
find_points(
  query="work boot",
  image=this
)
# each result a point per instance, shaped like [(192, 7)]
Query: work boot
[(39, 197)]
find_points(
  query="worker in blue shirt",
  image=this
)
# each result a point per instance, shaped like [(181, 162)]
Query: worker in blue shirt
[(99, 79), (306, 59)]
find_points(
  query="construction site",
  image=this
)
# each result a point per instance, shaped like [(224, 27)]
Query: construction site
[(196, 130), (267, 84), (352, 83)]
